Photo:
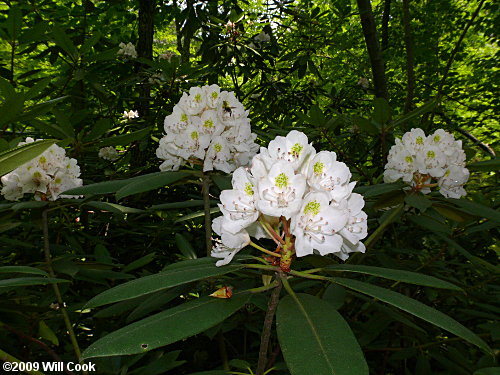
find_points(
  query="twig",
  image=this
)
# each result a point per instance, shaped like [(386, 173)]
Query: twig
[(266, 330), (57, 292)]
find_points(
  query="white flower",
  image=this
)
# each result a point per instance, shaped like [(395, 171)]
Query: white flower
[(317, 224), (262, 37), (327, 174), (167, 55), (293, 148), (356, 227), (281, 191), (130, 114), (451, 184), (177, 121), (46, 176), (212, 94), (238, 205), (210, 125), (218, 156), (108, 153), (195, 102), (418, 160), (364, 83), (229, 245), (127, 50), (229, 109), (414, 140)]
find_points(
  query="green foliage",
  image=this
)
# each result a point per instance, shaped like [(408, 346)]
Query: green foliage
[(129, 256)]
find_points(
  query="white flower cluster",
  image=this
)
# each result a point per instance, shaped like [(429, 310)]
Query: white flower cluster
[(47, 176), (127, 50), (418, 159), (210, 125), (109, 153), (130, 115), (291, 188)]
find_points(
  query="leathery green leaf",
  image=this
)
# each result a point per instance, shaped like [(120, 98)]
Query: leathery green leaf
[(393, 274), (315, 339), (178, 274), (166, 327), (416, 308)]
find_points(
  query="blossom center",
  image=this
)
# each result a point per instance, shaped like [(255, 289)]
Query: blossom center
[(184, 117), (249, 188), (312, 207), (409, 159), (194, 135), (318, 168), (419, 141), (218, 147), (281, 181), (208, 124), (437, 138), (431, 154), (197, 98), (296, 149)]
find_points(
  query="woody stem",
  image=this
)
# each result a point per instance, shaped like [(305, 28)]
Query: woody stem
[(266, 330), (206, 208), (57, 291)]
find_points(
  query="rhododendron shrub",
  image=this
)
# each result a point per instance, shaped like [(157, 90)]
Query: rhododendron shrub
[(430, 161), (300, 199), (210, 127)]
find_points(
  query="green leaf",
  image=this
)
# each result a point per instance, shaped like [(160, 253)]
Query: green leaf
[(416, 308), (365, 125), (113, 207), (124, 139), (29, 205), (430, 223), (194, 215), (105, 187), (381, 111), (476, 209), (62, 39), (166, 327), (488, 371), (13, 158), (27, 281), (177, 274), (429, 106), (46, 333), (418, 201), (485, 165), (6, 88), (101, 127), (185, 247), (451, 212), (150, 182), (393, 274), (141, 262), (185, 204), (10, 108), (13, 24), (22, 269), (472, 258), (315, 339), (379, 189)]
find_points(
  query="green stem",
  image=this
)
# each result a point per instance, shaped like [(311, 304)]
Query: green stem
[(6, 357), (206, 208), (266, 330), (253, 244), (57, 292), (262, 267)]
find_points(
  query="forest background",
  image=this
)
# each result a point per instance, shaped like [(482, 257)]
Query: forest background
[(352, 75)]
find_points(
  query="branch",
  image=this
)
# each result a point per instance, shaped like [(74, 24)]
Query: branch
[(385, 24), (373, 47)]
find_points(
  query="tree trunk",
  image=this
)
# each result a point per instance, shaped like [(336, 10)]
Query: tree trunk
[(373, 47), (410, 74), (144, 50), (385, 24)]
